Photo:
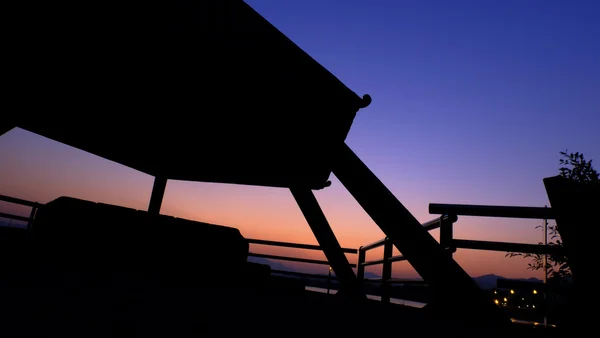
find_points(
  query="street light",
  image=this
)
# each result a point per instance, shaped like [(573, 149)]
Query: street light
[(329, 280)]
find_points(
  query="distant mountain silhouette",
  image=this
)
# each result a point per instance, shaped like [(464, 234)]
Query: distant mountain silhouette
[(371, 275), (281, 266), (273, 264), (490, 281)]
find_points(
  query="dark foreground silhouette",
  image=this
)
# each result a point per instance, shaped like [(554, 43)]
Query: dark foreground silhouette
[(202, 91), (94, 270)]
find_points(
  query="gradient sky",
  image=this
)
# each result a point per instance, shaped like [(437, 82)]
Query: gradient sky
[(472, 103)]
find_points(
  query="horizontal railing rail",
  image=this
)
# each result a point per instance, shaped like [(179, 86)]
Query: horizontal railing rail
[(397, 258), (15, 217), (430, 225), (373, 245), (539, 249), (437, 222), (294, 259), (19, 201), (302, 274), (328, 277), (491, 211), (295, 245)]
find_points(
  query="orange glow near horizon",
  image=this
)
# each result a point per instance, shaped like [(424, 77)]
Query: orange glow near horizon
[(42, 170)]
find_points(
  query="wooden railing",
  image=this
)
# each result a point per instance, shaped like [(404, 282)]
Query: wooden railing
[(443, 222), (495, 211), (504, 212), (296, 259), (34, 208), (449, 215)]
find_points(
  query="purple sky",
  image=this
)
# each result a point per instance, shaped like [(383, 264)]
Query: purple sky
[(472, 102)]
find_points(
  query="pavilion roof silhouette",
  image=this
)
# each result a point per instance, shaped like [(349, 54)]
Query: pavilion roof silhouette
[(187, 90)]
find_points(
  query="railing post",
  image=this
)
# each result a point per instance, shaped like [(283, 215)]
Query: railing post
[(360, 268), (329, 280), (32, 216), (386, 275), (446, 233), (158, 192)]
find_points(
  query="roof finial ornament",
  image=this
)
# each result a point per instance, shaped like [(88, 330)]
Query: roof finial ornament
[(365, 101)]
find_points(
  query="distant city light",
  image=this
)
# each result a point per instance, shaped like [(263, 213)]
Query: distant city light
[(535, 292), (512, 292), (496, 301), (506, 300)]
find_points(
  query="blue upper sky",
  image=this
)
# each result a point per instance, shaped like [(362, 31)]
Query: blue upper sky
[(482, 89)]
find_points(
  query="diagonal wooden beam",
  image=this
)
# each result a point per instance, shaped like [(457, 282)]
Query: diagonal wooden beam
[(455, 293), (349, 285)]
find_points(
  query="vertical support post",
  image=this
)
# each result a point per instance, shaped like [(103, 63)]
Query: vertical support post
[(455, 294), (446, 233), (386, 274), (319, 225), (360, 268), (575, 207), (158, 192)]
